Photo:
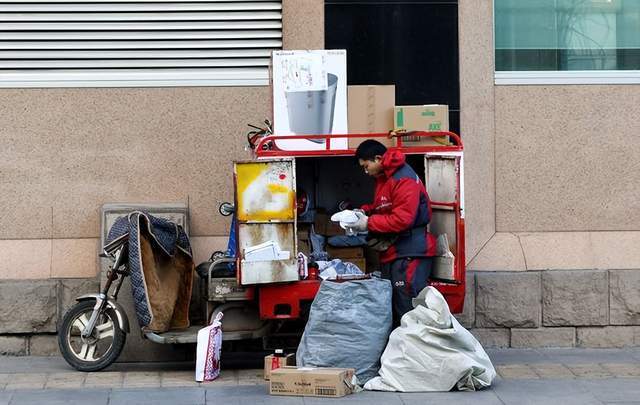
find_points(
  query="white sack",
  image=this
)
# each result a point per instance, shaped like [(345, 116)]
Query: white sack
[(208, 350), (431, 351)]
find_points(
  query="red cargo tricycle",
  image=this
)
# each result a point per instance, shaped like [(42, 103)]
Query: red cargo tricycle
[(266, 301)]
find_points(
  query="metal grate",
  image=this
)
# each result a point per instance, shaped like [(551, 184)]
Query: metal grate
[(105, 43)]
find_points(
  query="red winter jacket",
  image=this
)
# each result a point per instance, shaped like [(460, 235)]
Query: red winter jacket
[(401, 206)]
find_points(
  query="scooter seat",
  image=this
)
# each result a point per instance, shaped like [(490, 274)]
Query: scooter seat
[(220, 270)]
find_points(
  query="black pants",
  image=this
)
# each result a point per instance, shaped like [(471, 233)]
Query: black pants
[(408, 277)]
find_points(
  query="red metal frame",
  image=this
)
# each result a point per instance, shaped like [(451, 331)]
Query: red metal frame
[(291, 294), (267, 147)]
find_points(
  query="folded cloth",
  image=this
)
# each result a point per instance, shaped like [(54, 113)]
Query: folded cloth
[(347, 240)]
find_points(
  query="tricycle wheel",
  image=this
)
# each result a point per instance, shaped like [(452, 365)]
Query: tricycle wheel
[(96, 351)]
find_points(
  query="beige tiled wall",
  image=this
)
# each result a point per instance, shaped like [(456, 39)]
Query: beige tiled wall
[(536, 251), (566, 158), (65, 152), (545, 165), (538, 159)]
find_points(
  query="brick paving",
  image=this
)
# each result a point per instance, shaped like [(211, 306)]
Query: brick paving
[(567, 376)]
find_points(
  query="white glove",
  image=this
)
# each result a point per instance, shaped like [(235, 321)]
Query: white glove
[(361, 224)]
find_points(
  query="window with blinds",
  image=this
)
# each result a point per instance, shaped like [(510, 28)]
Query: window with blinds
[(120, 43)]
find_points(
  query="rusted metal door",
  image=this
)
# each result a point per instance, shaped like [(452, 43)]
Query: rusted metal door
[(265, 193), (443, 180)]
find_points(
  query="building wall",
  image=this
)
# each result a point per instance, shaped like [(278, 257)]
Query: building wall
[(66, 152), (551, 194), (550, 187)]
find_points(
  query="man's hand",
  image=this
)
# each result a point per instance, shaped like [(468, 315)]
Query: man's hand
[(361, 224)]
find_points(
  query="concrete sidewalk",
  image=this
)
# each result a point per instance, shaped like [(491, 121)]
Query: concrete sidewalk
[(567, 376)]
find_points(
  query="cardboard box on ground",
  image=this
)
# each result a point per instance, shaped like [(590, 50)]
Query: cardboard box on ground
[(272, 362), (312, 382), (432, 117)]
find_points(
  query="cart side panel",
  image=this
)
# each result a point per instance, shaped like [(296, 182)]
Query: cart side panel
[(272, 271), (265, 193)]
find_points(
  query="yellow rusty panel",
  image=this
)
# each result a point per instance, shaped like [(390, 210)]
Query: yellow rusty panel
[(265, 191)]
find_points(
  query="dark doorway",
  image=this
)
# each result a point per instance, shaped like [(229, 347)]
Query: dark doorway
[(412, 44)]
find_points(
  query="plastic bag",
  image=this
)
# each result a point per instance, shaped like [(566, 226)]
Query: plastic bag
[(349, 323), (431, 351), (208, 350), (336, 267)]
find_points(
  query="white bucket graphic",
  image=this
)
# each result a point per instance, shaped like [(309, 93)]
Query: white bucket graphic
[(311, 112)]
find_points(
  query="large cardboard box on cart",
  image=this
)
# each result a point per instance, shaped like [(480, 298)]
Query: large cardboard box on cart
[(370, 110)]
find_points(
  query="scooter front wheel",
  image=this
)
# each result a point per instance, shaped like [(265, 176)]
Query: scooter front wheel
[(97, 351)]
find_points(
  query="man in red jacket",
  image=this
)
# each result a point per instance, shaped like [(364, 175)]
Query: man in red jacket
[(397, 222)]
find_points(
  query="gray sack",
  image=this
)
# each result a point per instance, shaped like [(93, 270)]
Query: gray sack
[(348, 326)]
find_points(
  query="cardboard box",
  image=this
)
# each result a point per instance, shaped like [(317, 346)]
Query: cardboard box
[(340, 252), (320, 223), (431, 117), (304, 246), (272, 362), (310, 97), (324, 226), (370, 110), (333, 229), (312, 382)]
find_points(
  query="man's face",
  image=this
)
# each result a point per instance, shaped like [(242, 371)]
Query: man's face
[(372, 167)]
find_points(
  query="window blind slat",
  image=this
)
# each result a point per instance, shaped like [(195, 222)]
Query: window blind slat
[(257, 15), (133, 63), (133, 1), (127, 54), (137, 35), (126, 26), (141, 7), (256, 43), (142, 74)]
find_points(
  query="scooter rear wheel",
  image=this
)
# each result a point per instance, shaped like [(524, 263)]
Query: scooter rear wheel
[(97, 351)]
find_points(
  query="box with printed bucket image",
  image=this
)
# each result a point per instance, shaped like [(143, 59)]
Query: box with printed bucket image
[(310, 97), (430, 118)]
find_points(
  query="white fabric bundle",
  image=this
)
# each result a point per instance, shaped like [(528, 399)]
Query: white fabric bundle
[(431, 351)]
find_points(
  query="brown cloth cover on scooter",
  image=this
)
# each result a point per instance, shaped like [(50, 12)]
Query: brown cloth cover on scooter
[(161, 270), (168, 280)]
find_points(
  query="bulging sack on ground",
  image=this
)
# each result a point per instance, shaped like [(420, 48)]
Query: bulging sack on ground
[(348, 326), (431, 351), (208, 350)]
